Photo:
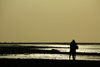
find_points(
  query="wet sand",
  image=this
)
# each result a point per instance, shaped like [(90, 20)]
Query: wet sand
[(24, 52), (49, 56), (25, 56)]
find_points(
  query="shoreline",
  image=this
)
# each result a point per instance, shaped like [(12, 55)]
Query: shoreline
[(58, 43)]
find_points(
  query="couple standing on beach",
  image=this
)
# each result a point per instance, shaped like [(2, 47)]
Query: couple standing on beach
[(73, 47)]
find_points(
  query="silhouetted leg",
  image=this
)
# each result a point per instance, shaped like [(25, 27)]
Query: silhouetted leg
[(69, 56), (73, 57)]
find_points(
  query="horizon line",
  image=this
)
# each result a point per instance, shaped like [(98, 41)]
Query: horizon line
[(47, 43)]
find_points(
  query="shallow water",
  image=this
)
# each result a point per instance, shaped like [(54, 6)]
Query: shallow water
[(82, 48), (49, 56)]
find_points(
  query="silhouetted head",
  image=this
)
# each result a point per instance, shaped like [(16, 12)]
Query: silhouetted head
[(73, 41)]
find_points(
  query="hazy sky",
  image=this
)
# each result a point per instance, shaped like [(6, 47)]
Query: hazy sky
[(49, 20)]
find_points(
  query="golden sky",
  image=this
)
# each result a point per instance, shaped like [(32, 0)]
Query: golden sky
[(49, 20)]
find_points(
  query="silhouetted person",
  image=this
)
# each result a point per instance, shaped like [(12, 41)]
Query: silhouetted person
[(73, 47)]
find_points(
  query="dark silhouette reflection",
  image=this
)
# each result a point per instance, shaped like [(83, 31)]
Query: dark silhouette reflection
[(73, 47)]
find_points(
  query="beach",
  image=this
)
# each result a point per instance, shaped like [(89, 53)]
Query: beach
[(48, 51), (49, 56), (54, 55)]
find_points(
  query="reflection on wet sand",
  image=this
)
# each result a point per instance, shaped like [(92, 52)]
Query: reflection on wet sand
[(46, 52)]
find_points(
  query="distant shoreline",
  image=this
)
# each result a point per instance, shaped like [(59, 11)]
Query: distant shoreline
[(58, 43)]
